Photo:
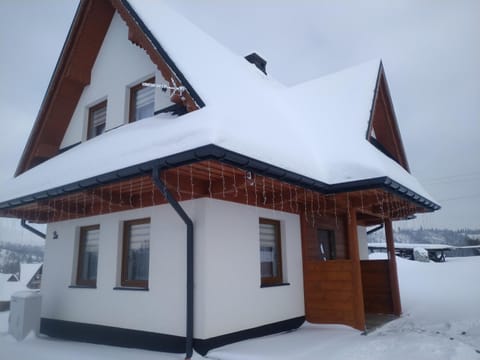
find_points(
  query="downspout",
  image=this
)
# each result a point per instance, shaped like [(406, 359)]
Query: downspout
[(176, 206), (375, 229), (24, 224)]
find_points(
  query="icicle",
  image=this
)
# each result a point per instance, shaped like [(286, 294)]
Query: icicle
[(101, 200), (84, 204)]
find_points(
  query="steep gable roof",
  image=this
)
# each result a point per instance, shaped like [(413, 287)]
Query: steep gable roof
[(383, 131), (313, 132), (73, 71)]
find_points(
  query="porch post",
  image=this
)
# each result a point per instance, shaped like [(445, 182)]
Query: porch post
[(392, 268), (359, 307)]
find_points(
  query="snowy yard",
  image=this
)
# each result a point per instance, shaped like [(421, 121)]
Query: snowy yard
[(441, 305)]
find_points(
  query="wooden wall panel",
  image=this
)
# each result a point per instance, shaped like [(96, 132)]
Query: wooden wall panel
[(376, 287)]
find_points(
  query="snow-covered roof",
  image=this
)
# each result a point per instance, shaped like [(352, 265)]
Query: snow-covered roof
[(315, 129), (27, 272)]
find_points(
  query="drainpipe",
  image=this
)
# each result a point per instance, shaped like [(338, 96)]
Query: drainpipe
[(24, 224), (375, 229), (176, 206)]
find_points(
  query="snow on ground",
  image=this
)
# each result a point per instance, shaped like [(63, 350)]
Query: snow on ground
[(441, 320)]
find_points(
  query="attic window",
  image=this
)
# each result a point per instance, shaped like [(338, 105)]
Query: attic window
[(97, 117), (142, 100)]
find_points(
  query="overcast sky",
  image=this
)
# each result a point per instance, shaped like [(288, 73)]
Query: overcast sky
[(429, 48)]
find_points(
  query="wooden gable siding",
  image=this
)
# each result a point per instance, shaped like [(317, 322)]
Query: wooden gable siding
[(332, 288), (73, 72), (384, 124)]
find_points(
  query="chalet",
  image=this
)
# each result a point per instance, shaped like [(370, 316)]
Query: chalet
[(178, 218)]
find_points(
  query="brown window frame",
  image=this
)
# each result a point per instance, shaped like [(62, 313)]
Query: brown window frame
[(132, 103), (91, 110), (278, 279), (125, 282), (81, 253)]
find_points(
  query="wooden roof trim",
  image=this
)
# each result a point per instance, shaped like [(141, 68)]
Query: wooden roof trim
[(73, 70), (71, 75), (139, 35), (382, 97)]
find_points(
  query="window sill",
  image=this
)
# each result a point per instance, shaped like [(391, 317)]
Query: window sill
[(130, 288), (82, 287), (274, 285)]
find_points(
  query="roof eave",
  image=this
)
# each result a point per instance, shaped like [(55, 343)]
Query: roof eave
[(214, 152)]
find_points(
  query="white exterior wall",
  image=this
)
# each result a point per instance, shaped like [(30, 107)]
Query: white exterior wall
[(161, 309), (228, 296), (119, 65), (362, 242)]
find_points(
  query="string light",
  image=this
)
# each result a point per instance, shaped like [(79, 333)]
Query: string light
[(311, 208), (191, 183), (255, 190), (305, 204), (235, 189), (153, 193), (264, 192), (348, 209), (281, 196), (111, 200), (335, 209), (209, 179), (296, 200), (141, 193), (223, 180), (178, 185), (273, 195), (246, 187), (290, 192)]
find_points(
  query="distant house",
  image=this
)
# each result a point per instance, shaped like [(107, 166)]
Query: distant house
[(219, 205), (29, 278)]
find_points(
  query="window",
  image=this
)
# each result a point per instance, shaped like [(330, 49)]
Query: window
[(270, 252), (136, 253), (97, 117), (326, 244), (142, 99), (88, 256)]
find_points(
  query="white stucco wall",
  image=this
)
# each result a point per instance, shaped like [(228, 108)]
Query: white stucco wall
[(119, 65), (161, 309), (228, 296), (362, 242)]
